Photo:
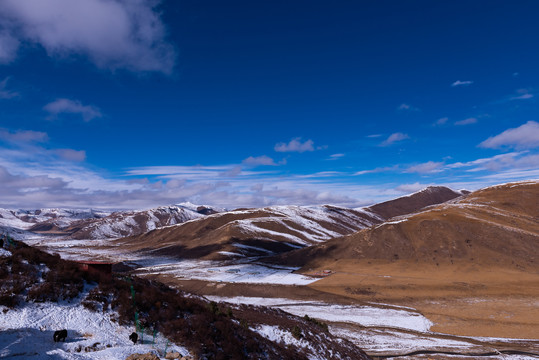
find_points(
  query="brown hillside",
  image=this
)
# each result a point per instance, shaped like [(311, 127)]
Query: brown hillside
[(253, 232), (409, 204), (274, 230), (497, 226)]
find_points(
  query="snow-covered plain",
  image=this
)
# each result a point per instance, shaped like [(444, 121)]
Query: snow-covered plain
[(394, 341), (360, 315), (27, 333), (275, 334), (220, 272), (379, 329)]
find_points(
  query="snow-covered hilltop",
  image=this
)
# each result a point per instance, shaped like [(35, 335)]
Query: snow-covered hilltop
[(95, 224)]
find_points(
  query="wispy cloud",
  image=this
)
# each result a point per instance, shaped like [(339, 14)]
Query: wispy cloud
[(468, 121), (23, 136), (426, 168), (259, 160), (461, 83), (8, 47), (71, 155), (525, 136), (410, 188), (377, 170), (112, 34), (407, 107), (4, 92), (336, 156), (393, 138), (295, 145), (67, 106), (522, 94), (441, 121)]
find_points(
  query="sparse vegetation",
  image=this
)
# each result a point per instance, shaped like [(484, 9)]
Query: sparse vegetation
[(318, 323), (209, 330)]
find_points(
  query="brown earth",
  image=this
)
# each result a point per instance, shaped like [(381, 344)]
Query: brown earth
[(462, 300), (492, 227), (431, 195), (270, 228), (470, 265)]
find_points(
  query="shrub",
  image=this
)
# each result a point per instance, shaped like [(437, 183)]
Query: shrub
[(296, 332), (318, 323)]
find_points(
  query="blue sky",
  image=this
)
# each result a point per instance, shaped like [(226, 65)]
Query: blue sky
[(134, 104)]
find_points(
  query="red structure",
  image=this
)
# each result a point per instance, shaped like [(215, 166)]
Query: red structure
[(97, 267)]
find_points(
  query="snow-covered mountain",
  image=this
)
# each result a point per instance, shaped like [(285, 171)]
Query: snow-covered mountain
[(408, 204), (129, 223), (96, 224), (197, 231), (25, 223), (253, 232), (495, 226)]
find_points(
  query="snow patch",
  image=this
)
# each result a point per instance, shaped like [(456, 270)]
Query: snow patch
[(360, 315), (27, 332)]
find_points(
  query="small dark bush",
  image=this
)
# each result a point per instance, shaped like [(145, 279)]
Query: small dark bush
[(91, 305), (296, 332), (318, 323), (9, 300)]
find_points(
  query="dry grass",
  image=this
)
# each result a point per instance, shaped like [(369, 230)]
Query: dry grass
[(462, 300)]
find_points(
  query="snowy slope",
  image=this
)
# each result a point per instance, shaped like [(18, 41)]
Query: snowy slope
[(128, 223), (27, 333), (304, 225), (251, 232), (23, 224)]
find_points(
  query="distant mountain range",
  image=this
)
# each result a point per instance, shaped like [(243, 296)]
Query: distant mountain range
[(435, 225), (272, 230), (96, 224), (495, 226)]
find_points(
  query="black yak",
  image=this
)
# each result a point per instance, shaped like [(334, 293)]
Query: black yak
[(60, 335), (133, 337)]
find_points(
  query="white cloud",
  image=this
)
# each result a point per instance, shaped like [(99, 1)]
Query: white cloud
[(393, 138), (295, 145), (404, 107), (8, 47), (113, 34), (259, 160), (441, 121), (407, 107), (336, 156), (426, 168), (377, 170), (467, 121), (71, 155), (410, 188), (23, 136), (525, 136), (462, 83), (67, 106), (522, 97), (523, 94), (4, 92)]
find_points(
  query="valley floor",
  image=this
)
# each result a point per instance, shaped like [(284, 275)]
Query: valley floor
[(401, 313), (388, 309)]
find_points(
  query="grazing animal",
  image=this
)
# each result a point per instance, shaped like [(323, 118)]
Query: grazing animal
[(60, 335), (133, 337)]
